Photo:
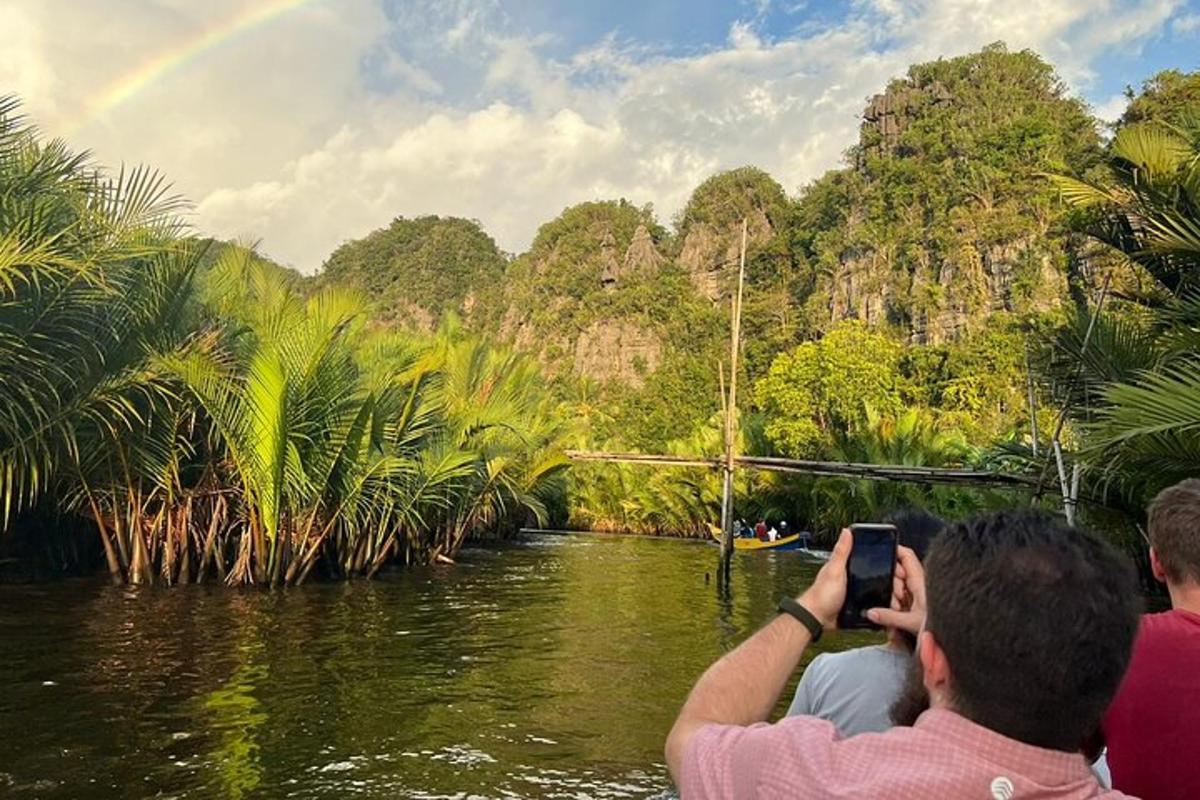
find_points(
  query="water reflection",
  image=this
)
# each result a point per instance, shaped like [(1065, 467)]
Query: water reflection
[(547, 668)]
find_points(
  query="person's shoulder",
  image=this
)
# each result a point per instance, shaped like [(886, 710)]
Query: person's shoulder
[(1168, 625), (829, 670), (860, 655)]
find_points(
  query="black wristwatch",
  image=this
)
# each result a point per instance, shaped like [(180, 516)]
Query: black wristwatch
[(789, 606)]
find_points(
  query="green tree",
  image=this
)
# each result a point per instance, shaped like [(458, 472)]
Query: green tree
[(910, 438), (417, 270), (93, 282), (825, 387), (1165, 97), (1135, 388), (943, 215)]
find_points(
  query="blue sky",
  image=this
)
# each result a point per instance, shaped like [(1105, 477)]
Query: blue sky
[(336, 117)]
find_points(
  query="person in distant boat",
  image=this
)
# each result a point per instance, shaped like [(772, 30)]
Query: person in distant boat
[(855, 689), (783, 529), (744, 530), (760, 530), (772, 534)]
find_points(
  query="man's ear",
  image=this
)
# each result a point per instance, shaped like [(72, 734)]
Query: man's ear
[(934, 665), (1156, 567)]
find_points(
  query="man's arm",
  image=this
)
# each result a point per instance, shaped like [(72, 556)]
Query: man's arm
[(745, 684)]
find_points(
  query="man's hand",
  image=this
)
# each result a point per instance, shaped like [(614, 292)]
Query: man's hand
[(908, 596), (824, 599)]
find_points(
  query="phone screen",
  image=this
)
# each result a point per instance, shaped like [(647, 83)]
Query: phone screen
[(868, 573)]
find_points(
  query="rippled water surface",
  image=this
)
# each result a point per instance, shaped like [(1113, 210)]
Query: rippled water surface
[(546, 667)]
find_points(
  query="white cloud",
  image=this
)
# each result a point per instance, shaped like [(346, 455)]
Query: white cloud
[(277, 137), (23, 68), (1111, 109), (397, 67), (742, 36), (1185, 24)]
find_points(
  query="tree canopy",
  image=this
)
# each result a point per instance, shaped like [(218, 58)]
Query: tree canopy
[(417, 270)]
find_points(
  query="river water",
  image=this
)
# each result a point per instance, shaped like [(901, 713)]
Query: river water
[(546, 667)]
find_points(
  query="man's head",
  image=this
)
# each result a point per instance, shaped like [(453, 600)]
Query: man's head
[(1175, 534), (917, 528), (1029, 627)]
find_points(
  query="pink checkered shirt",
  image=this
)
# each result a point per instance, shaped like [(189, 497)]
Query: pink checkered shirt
[(943, 757)]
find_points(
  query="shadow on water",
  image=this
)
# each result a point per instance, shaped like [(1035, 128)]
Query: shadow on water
[(546, 667)]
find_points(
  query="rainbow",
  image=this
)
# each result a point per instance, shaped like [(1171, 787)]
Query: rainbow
[(179, 54)]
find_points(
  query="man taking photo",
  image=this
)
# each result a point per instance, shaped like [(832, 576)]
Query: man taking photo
[(1024, 629)]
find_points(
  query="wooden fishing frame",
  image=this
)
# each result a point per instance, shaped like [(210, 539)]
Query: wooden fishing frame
[(834, 469)]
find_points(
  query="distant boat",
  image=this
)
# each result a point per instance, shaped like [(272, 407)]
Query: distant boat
[(793, 542)]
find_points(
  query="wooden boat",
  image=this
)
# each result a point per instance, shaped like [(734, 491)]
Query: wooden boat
[(792, 542)]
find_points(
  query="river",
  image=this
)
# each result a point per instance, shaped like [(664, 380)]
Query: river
[(545, 667)]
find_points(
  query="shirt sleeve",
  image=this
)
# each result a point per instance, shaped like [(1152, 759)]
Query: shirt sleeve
[(729, 761), (803, 701)]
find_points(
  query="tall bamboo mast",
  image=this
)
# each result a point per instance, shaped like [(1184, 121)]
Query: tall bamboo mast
[(731, 412)]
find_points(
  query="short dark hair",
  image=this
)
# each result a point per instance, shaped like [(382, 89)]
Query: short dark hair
[(1037, 620), (1175, 530), (917, 527)]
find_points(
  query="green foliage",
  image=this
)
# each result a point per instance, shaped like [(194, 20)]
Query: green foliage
[(557, 293), (92, 282), (911, 438), (977, 384), (1134, 389), (825, 387), (777, 277), (249, 426), (357, 447), (727, 198), (1166, 97), (956, 185), (417, 270), (566, 259)]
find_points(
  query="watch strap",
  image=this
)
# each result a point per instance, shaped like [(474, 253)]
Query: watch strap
[(789, 606)]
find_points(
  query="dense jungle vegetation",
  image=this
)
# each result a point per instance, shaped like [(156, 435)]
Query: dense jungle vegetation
[(181, 409)]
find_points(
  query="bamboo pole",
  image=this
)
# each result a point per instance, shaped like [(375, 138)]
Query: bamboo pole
[(731, 411), (1070, 486), (1033, 428), (838, 469)]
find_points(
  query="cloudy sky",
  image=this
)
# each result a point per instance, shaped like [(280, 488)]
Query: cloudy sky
[(318, 121)]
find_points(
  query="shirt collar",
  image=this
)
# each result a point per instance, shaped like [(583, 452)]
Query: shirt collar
[(1044, 766)]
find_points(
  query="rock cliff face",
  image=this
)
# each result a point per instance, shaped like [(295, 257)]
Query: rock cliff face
[(944, 216), (642, 258), (939, 301), (575, 298), (617, 350), (888, 114), (710, 253)]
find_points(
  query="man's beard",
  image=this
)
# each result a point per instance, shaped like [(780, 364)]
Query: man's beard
[(914, 697)]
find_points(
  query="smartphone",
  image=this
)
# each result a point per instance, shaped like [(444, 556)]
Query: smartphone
[(868, 573)]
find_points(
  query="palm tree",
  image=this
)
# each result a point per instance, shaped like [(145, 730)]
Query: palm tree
[(911, 438), (93, 283), (1135, 391), (497, 406), (238, 422)]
